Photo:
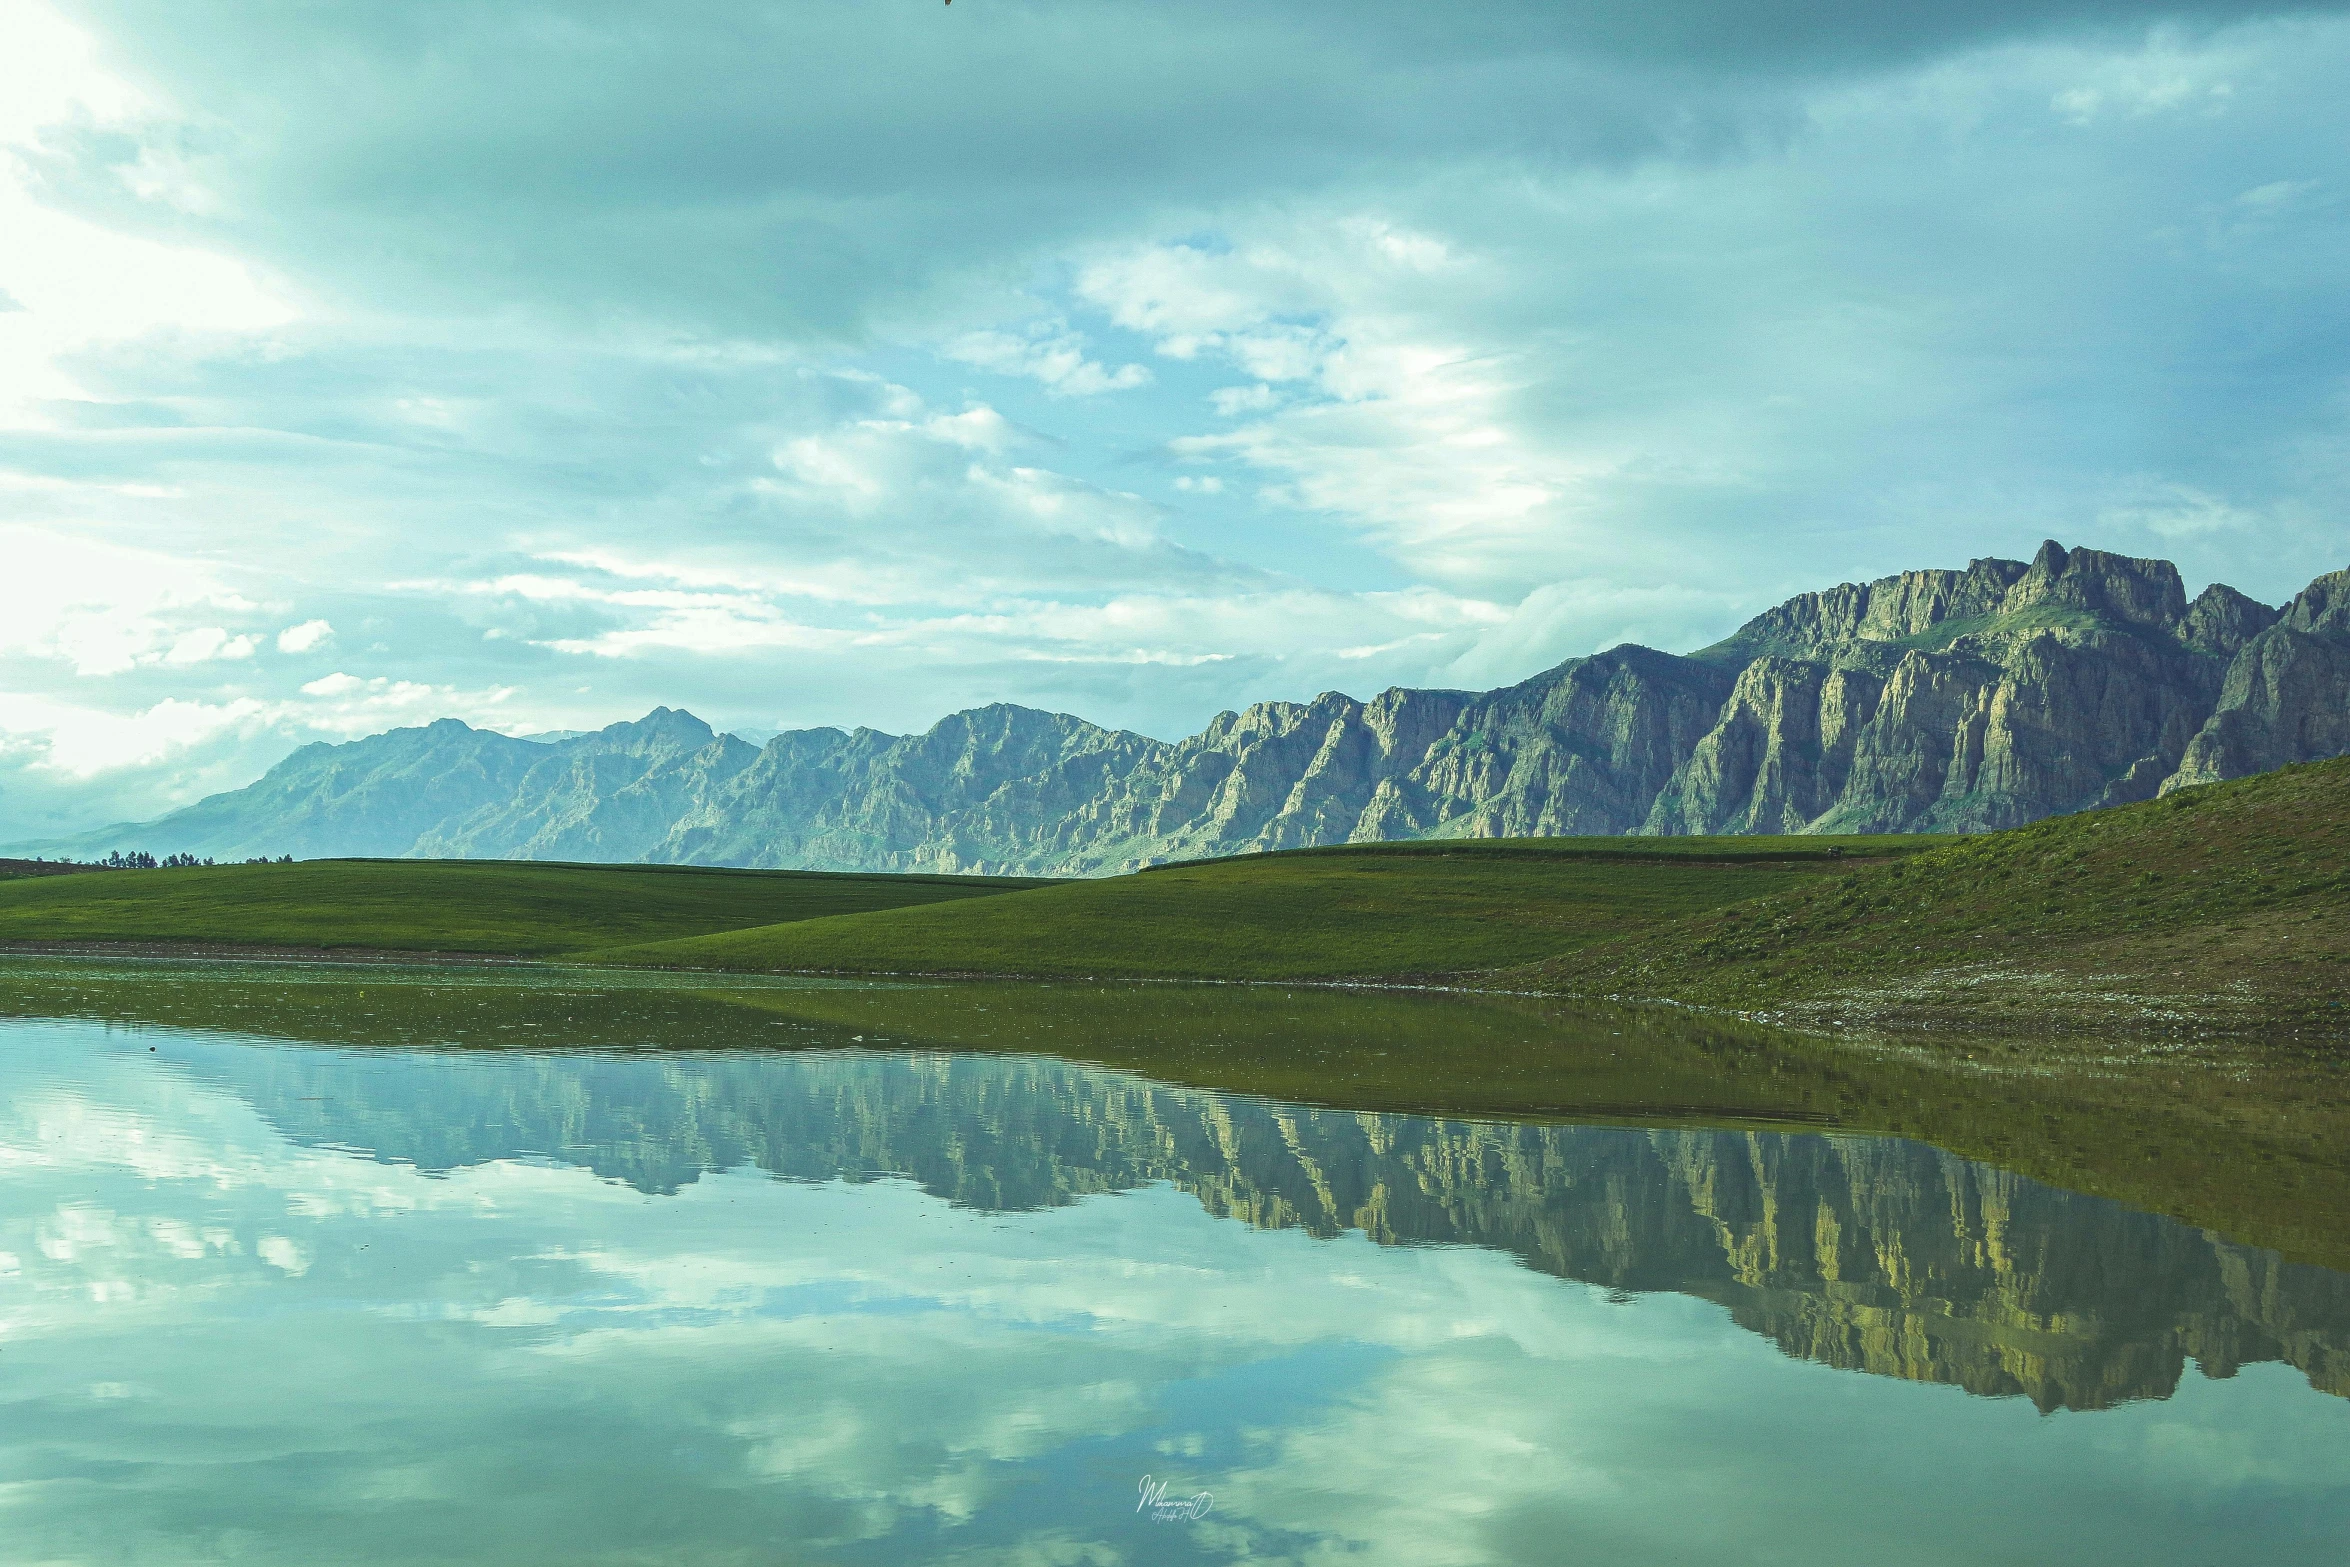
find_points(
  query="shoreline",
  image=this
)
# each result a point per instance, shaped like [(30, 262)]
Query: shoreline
[(1894, 1012)]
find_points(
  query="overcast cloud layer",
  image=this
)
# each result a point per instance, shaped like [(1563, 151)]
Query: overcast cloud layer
[(854, 362)]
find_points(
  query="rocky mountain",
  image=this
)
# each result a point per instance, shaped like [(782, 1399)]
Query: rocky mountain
[(1929, 701), (2282, 699)]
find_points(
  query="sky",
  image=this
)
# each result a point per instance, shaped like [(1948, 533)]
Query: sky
[(854, 361)]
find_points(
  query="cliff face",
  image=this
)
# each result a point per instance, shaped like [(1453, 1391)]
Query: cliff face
[(1871, 1254), (1957, 701), (1929, 701), (2286, 697), (1581, 749)]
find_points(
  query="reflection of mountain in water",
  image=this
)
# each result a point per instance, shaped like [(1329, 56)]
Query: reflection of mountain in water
[(1872, 1254)]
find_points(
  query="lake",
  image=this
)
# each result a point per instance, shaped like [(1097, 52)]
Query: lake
[(409, 1265)]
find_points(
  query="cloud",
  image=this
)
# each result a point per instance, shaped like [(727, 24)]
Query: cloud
[(2169, 76), (101, 608), (206, 643), (309, 635), (2174, 512), (73, 282), (641, 609), (66, 766), (1050, 354), (348, 705), (2277, 194)]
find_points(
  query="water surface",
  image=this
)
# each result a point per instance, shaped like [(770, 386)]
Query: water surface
[(275, 1298)]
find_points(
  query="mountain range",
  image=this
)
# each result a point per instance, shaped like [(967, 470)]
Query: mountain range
[(1933, 700)]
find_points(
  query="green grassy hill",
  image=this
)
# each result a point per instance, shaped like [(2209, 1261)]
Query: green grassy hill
[(514, 907), (2226, 906), (1371, 910)]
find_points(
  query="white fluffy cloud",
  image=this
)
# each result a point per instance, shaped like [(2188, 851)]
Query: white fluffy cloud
[(1050, 354), (101, 608), (306, 637), (75, 283)]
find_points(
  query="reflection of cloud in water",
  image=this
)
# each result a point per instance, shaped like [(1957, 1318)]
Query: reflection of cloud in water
[(514, 1361), (1868, 1253)]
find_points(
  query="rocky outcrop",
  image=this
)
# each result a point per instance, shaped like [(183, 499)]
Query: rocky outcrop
[(2221, 621), (1889, 610), (1929, 701), (1581, 749), (2286, 697), (1777, 758), (1960, 701)]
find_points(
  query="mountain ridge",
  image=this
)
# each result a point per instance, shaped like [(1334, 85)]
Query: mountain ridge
[(1932, 700)]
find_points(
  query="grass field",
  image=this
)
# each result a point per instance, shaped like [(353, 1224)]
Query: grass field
[(2220, 908), (2226, 906), (510, 907), (1364, 911)]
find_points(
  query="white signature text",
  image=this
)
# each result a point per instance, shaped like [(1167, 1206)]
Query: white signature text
[(1159, 1507)]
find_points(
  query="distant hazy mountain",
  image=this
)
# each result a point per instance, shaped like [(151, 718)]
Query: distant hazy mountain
[(1934, 700)]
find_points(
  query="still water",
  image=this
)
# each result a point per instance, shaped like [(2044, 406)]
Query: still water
[(284, 1299)]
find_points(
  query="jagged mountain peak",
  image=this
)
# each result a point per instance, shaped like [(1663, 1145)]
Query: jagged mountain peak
[(2060, 591), (2323, 606), (1891, 609), (673, 725), (1012, 718), (1006, 731), (2118, 588), (2221, 620)]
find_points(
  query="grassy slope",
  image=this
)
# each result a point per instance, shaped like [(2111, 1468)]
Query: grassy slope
[(500, 906), (1359, 912), (2226, 906)]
